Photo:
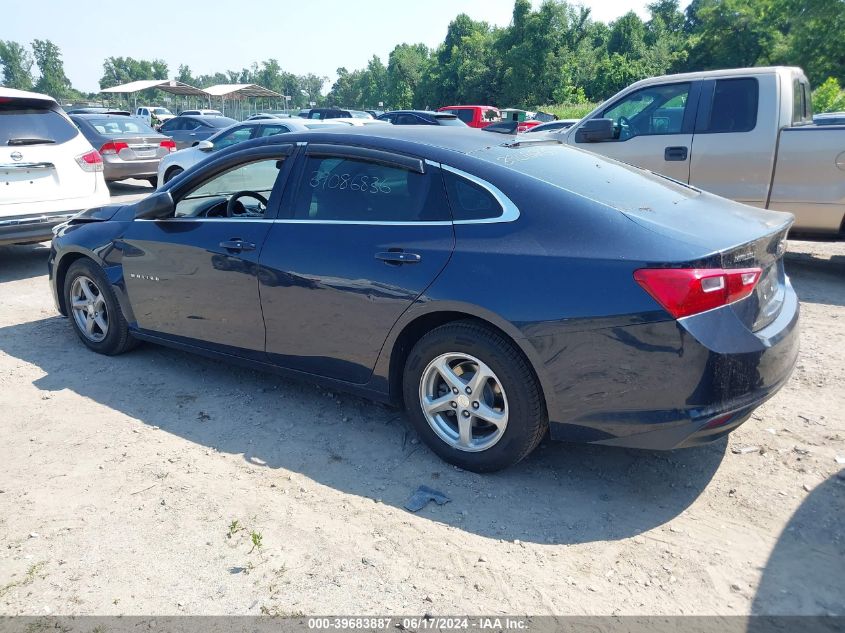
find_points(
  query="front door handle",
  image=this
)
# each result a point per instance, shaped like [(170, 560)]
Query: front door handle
[(237, 245), (675, 153), (398, 258)]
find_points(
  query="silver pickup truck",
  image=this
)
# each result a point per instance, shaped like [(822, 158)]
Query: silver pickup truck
[(744, 134)]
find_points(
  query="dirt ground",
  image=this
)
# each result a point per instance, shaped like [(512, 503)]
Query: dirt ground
[(138, 485)]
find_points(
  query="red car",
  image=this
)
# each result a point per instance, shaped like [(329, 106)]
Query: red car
[(474, 115)]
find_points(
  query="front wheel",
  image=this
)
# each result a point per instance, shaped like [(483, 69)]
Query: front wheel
[(94, 311), (473, 397)]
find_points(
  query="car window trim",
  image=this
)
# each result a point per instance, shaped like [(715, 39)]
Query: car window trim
[(354, 152)]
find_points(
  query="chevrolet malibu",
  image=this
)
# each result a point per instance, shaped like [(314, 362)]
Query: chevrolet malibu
[(497, 289)]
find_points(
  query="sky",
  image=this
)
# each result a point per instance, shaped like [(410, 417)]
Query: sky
[(213, 35)]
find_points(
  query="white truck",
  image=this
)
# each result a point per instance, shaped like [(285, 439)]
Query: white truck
[(146, 114), (745, 134)]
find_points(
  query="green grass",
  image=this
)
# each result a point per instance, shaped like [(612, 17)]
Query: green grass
[(568, 110)]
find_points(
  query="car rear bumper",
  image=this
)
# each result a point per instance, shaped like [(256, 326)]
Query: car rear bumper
[(668, 384), (122, 169), (28, 229)]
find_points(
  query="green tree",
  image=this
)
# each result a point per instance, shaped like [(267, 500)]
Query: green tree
[(52, 80), (17, 65), (406, 66), (829, 97), (122, 70), (816, 37)]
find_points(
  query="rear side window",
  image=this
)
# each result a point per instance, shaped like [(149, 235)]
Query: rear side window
[(350, 190), (802, 109), (734, 107), (470, 201), (29, 124)]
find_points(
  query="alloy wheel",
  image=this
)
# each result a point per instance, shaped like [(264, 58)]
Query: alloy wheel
[(89, 309)]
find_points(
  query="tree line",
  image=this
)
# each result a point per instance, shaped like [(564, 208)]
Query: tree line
[(556, 54)]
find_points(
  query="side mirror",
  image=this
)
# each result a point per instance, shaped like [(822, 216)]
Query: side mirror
[(595, 131), (156, 206), (204, 146)]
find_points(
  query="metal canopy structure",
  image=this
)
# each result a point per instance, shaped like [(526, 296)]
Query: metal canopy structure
[(167, 85), (241, 91)]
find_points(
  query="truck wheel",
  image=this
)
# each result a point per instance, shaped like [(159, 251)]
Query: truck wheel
[(473, 398)]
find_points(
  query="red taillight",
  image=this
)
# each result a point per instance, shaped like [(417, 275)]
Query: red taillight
[(113, 147), (686, 291), (92, 161), (170, 144)]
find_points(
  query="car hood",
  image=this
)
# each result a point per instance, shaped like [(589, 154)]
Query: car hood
[(96, 214)]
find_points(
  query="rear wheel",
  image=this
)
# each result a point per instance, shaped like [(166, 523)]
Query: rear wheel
[(473, 398), (172, 173), (94, 311)]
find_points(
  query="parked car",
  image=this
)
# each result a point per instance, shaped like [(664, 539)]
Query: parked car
[(200, 113), (97, 110), (474, 115), (374, 113), (335, 113), (553, 126), (421, 117), (357, 122), (130, 148), (48, 171), (178, 162), (268, 115), (496, 289), (188, 130), (522, 117), (745, 134), (829, 118), (153, 115)]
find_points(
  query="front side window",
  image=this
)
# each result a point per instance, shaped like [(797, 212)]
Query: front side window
[(470, 201), (352, 190), (232, 137), (650, 111), (211, 198)]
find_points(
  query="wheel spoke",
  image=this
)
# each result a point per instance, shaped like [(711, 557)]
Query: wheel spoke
[(100, 303), (79, 304), (451, 378), (488, 414), (101, 323), (89, 324), (86, 290), (465, 430), (436, 405), (482, 375)]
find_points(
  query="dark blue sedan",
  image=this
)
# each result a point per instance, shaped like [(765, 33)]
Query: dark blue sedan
[(496, 288)]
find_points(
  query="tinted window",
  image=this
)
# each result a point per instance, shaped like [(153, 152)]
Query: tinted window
[(408, 119), (34, 123), (650, 111), (117, 126), (468, 200), (218, 121), (270, 130), (450, 120), (335, 188), (463, 115), (734, 106)]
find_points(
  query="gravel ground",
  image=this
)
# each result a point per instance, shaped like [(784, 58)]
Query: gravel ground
[(140, 484)]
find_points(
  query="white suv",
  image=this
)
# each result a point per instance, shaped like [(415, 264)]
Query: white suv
[(48, 171)]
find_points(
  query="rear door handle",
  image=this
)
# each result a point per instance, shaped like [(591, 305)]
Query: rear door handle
[(675, 153), (398, 257), (237, 244)]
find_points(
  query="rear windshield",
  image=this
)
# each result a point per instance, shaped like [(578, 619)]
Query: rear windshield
[(463, 115), (33, 125), (120, 126), (218, 121), (450, 120)]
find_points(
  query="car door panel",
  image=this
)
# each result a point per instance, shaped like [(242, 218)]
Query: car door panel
[(331, 290)]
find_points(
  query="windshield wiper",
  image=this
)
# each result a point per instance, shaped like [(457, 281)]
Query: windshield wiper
[(31, 140)]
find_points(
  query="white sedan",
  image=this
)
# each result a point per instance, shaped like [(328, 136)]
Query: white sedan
[(177, 162)]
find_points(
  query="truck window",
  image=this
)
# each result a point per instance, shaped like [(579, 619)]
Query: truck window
[(650, 111), (802, 108), (734, 106)]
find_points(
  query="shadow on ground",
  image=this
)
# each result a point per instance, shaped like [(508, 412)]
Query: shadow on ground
[(810, 555), (817, 279), (561, 494), (23, 262)]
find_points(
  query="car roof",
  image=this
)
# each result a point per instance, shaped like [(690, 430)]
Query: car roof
[(12, 93)]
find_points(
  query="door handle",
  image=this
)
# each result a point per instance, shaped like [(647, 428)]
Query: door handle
[(675, 153), (237, 244), (397, 258)]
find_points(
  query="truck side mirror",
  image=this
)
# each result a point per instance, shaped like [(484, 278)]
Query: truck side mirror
[(595, 131)]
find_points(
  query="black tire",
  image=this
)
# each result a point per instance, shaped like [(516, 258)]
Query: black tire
[(527, 417), (153, 181), (172, 173), (117, 339)]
